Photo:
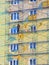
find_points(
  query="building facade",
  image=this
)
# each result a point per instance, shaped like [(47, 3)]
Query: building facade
[(29, 45), (27, 32)]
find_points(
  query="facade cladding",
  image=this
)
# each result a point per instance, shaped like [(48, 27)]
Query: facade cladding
[(25, 24)]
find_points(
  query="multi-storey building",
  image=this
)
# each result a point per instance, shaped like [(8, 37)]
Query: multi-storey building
[(28, 45), (27, 32)]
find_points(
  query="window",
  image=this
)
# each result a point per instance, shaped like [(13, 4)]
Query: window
[(14, 30), (15, 2), (14, 47), (32, 12), (14, 16), (13, 62), (33, 28), (32, 0), (32, 61), (33, 45)]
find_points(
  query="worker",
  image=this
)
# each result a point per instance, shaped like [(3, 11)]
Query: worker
[(18, 28)]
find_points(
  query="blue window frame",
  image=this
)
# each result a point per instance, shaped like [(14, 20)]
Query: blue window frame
[(13, 62), (32, 61), (33, 45), (14, 47), (14, 30), (32, 12), (15, 2), (33, 28), (14, 16), (32, 0)]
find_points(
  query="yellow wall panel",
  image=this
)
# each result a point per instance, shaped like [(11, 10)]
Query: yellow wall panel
[(43, 47), (42, 59), (42, 25), (42, 36)]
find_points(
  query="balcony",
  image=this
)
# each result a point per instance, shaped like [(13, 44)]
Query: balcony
[(21, 7)]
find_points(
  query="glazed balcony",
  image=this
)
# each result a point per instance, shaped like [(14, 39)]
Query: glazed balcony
[(24, 49), (25, 16), (27, 5), (21, 7)]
